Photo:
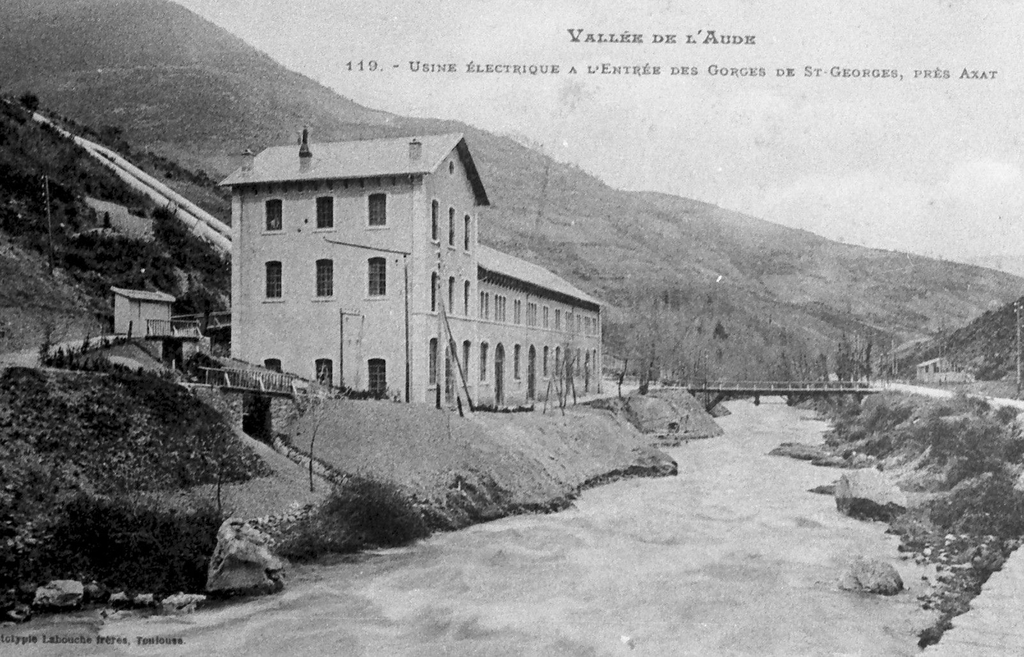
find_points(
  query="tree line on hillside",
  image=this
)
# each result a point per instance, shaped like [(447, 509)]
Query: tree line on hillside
[(679, 336), (175, 261)]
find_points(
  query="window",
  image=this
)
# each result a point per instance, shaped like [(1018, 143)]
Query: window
[(378, 381), (465, 358), (568, 321), (558, 319), (449, 372), (531, 314), (273, 211), (465, 298), (434, 209), (515, 362), (378, 277), (324, 371), (451, 168), (274, 280), (325, 278), (546, 314), (483, 361), (558, 361), (433, 292), (325, 212), (465, 236), (378, 210), (451, 226), (432, 375), (579, 323), (451, 295), (517, 311), (499, 307), (544, 363), (480, 309), (272, 364)]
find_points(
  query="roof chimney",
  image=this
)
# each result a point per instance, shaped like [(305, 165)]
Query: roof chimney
[(248, 158), (304, 151), (415, 149)]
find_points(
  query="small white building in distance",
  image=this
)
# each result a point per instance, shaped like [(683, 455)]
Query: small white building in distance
[(134, 309), (347, 257)]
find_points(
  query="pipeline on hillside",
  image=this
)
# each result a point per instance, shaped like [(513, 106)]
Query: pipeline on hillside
[(197, 220)]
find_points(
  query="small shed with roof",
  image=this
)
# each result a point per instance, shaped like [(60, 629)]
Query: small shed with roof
[(134, 309)]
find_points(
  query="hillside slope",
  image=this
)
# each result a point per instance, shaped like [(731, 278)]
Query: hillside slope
[(88, 258), (679, 268)]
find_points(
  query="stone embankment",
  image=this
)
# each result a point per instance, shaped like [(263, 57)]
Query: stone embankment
[(945, 473)]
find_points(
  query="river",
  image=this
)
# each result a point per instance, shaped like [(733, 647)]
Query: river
[(731, 557)]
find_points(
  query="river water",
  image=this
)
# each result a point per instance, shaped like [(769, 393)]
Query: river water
[(731, 557)]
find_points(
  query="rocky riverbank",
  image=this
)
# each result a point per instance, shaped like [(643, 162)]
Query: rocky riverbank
[(944, 476)]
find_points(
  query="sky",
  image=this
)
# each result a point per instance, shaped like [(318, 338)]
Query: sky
[(918, 164)]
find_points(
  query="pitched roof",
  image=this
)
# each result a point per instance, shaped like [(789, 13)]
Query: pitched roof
[(509, 266), (365, 158), (142, 295)]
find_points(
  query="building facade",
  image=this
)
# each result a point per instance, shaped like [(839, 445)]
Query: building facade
[(358, 264)]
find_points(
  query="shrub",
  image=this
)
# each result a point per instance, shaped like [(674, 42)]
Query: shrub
[(131, 544), (363, 512), (989, 505)]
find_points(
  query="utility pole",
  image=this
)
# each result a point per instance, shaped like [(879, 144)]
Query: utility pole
[(49, 224), (1017, 316)]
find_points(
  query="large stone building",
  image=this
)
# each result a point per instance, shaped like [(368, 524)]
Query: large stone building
[(349, 257)]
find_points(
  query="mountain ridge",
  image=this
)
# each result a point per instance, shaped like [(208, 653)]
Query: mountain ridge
[(679, 265)]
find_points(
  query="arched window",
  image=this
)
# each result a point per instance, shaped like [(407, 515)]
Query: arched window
[(483, 361), (274, 283), (324, 371), (451, 295), (558, 361), (432, 351), (325, 278), (465, 298), (378, 277), (433, 292), (544, 363), (451, 226), (378, 381), (434, 210), (465, 237), (465, 358), (515, 361)]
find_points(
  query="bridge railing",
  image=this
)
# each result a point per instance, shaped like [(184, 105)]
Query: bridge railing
[(255, 380), (172, 328), (214, 320), (776, 385)]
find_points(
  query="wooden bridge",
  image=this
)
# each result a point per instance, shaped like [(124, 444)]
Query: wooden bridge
[(794, 392), (261, 381)]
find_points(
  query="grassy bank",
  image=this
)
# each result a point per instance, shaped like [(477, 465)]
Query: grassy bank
[(963, 459), (83, 457), (406, 470)]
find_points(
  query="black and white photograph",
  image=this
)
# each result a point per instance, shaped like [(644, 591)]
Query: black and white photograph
[(523, 328)]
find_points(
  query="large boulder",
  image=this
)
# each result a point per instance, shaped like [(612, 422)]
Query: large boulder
[(182, 603), (59, 594), (870, 495), (242, 563), (871, 576)]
